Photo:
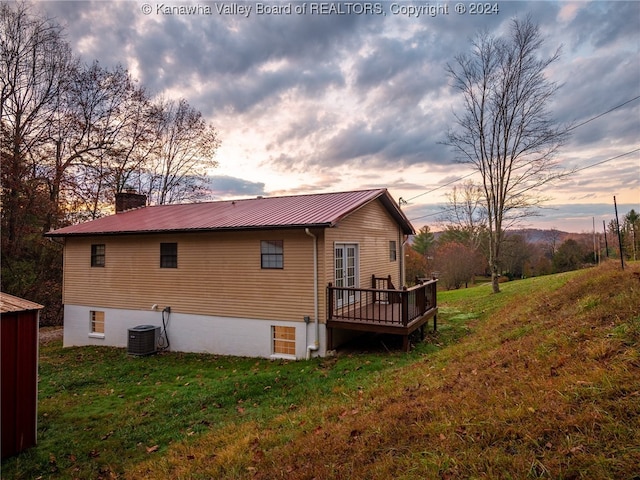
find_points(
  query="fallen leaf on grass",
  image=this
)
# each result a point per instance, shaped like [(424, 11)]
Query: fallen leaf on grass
[(152, 449)]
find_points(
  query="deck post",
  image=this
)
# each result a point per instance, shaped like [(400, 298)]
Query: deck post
[(404, 296), (330, 301)]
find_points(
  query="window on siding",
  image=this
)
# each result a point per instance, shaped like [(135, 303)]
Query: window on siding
[(168, 255), (271, 254), (393, 252), (97, 322), (284, 340), (98, 255)]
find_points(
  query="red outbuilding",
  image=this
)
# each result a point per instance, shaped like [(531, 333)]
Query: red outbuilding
[(19, 382)]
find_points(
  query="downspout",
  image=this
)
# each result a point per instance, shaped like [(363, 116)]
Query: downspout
[(316, 345), (402, 260)]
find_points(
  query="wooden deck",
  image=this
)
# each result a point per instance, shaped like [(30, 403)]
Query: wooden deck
[(399, 312)]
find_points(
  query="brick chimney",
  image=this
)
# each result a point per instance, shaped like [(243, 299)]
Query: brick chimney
[(129, 200)]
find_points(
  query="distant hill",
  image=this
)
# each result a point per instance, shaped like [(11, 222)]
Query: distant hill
[(536, 235)]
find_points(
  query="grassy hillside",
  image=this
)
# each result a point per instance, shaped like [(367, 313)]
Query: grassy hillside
[(547, 385), (539, 381)]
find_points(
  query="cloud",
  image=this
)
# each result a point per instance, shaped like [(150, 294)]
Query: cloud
[(227, 186), (318, 102)]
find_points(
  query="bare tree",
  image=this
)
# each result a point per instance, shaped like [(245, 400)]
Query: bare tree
[(552, 238), (505, 130), (139, 141), (92, 116), (187, 147), (466, 212), (35, 63)]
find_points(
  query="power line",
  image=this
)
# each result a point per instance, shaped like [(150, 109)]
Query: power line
[(428, 215), (440, 212), (607, 160), (568, 130), (603, 114), (441, 186)]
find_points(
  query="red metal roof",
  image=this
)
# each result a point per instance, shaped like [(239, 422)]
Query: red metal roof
[(316, 210)]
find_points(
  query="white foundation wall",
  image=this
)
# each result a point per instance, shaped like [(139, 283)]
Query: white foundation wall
[(243, 337)]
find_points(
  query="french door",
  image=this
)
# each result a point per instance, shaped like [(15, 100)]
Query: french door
[(346, 272)]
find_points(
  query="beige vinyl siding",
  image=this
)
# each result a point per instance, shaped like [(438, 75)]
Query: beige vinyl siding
[(218, 274), (371, 227)]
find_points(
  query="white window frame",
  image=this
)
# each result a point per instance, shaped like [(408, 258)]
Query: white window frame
[(92, 322), (274, 354)]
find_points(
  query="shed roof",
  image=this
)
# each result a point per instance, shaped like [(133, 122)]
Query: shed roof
[(10, 303), (315, 210)]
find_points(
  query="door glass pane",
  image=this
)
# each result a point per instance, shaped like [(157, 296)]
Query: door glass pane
[(351, 267), (346, 272), (339, 267)]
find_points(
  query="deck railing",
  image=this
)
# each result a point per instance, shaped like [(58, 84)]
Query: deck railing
[(381, 306)]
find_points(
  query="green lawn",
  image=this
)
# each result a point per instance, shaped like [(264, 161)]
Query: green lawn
[(101, 410), (104, 414)]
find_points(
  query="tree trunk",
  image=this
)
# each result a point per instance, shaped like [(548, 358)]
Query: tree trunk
[(494, 251), (495, 277)]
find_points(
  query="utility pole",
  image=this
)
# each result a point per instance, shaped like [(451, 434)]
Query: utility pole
[(615, 205), (595, 251), (606, 243)]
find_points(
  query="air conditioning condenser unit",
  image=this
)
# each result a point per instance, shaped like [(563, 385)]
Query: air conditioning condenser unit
[(143, 340)]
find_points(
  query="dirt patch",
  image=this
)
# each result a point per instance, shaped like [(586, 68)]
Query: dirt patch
[(50, 334)]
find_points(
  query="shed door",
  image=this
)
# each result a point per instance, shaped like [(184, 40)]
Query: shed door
[(346, 272)]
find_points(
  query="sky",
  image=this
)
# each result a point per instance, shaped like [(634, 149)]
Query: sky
[(311, 97)]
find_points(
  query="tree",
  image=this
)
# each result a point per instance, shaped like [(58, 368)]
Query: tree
[(35, 64), (631, 225), (552, 238), (92, 117), (456, 264), (423, 241), (73, 135), (187, 146), (505, 130), (415, 265), (515, 254), (466, 213), (570, 256)]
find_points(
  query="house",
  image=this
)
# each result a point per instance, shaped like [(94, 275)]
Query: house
[(278, 277)]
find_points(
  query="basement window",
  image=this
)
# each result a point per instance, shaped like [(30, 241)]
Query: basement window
[(168, 255), (272, 254), (98, 255), (284, 340), (96, 328)]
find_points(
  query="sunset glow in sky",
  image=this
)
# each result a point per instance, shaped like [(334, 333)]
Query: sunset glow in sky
[(336, 97)]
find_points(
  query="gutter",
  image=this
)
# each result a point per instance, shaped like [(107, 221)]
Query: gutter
[(316, 345)]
